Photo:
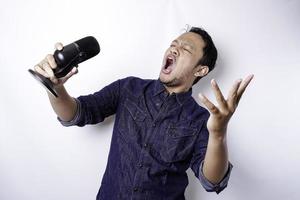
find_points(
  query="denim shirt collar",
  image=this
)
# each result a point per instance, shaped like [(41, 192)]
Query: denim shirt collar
[(180, 97)]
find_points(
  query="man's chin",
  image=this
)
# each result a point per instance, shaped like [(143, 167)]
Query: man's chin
[(164, 79), (169, 82)]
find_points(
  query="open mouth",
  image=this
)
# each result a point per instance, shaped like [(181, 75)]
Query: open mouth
[(169, 65)]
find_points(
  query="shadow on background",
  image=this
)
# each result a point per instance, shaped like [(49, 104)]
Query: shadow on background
[(204, 87)]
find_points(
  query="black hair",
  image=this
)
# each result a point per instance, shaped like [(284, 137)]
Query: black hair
[(210, 52)]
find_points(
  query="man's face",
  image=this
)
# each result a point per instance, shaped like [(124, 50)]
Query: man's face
[(180, 59)]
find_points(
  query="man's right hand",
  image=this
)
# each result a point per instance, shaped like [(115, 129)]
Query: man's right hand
[(46, 66)]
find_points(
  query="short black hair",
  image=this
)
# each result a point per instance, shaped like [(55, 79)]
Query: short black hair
[(210, 52)]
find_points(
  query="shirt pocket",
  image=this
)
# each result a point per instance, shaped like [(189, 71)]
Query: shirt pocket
[(131, 120), (178, 142)]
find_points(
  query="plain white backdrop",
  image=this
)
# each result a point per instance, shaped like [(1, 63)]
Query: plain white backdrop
[(42, 160)]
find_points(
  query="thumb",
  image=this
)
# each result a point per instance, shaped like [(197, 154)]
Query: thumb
[(70, 74), (59, 46)]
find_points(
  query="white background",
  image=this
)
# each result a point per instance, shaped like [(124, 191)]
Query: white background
[(42, 160)]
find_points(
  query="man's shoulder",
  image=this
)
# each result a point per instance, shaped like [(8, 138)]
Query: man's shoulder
[(134, 83), (134, 79)]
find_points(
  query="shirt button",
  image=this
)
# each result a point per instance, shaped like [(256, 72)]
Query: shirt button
[(216, 188), (145, 145), (135, 189), (157, 104), (140, 165)]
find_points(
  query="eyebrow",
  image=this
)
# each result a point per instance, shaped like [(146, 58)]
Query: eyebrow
[(185, 43)]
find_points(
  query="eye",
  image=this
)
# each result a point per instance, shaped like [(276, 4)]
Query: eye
[(187, 50)]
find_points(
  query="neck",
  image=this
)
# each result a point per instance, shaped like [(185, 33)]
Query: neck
[(178, 89)]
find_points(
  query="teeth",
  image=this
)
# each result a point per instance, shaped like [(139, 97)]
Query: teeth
[(170, 60)]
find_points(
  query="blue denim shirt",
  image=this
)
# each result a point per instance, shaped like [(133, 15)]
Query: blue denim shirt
[(156, 137)]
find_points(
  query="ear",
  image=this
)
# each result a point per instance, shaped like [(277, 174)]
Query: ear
[(201, 71)]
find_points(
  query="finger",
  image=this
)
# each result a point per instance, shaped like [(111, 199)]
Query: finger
[(51, 61), (232, 95), (71, 73), (243, 86), (218, 94), (49, 71), (41, 71), (42, 62), (59, 46), (208, 104), (75, 68)]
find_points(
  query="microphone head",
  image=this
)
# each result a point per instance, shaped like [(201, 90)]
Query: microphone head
[(73, 54), (88, 46)]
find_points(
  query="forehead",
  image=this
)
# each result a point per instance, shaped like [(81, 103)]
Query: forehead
[(193, 39)]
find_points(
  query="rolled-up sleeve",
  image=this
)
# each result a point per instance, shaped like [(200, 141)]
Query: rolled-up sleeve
[(210, 187), (197, 160), (94, 108), (75, 119)]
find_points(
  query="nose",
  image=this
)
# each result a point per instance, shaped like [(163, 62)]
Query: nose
[(174, 51)]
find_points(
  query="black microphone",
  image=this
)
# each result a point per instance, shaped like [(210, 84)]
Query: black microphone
[(70, 56)]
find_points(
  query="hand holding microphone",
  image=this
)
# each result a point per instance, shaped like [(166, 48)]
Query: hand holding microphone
[(48, 64), (56, 69)]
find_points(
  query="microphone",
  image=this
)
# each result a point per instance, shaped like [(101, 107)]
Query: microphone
[(70, 56)]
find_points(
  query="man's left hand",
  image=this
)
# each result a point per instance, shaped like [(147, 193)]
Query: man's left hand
[(220, 116)]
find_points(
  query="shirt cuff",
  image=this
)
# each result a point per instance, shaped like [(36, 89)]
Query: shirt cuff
[(75, 119), (210, 187)]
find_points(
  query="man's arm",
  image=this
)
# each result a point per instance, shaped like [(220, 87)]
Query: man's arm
[(64, 105), (216, 158)]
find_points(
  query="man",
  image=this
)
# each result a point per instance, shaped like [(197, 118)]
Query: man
[(160, 131)]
